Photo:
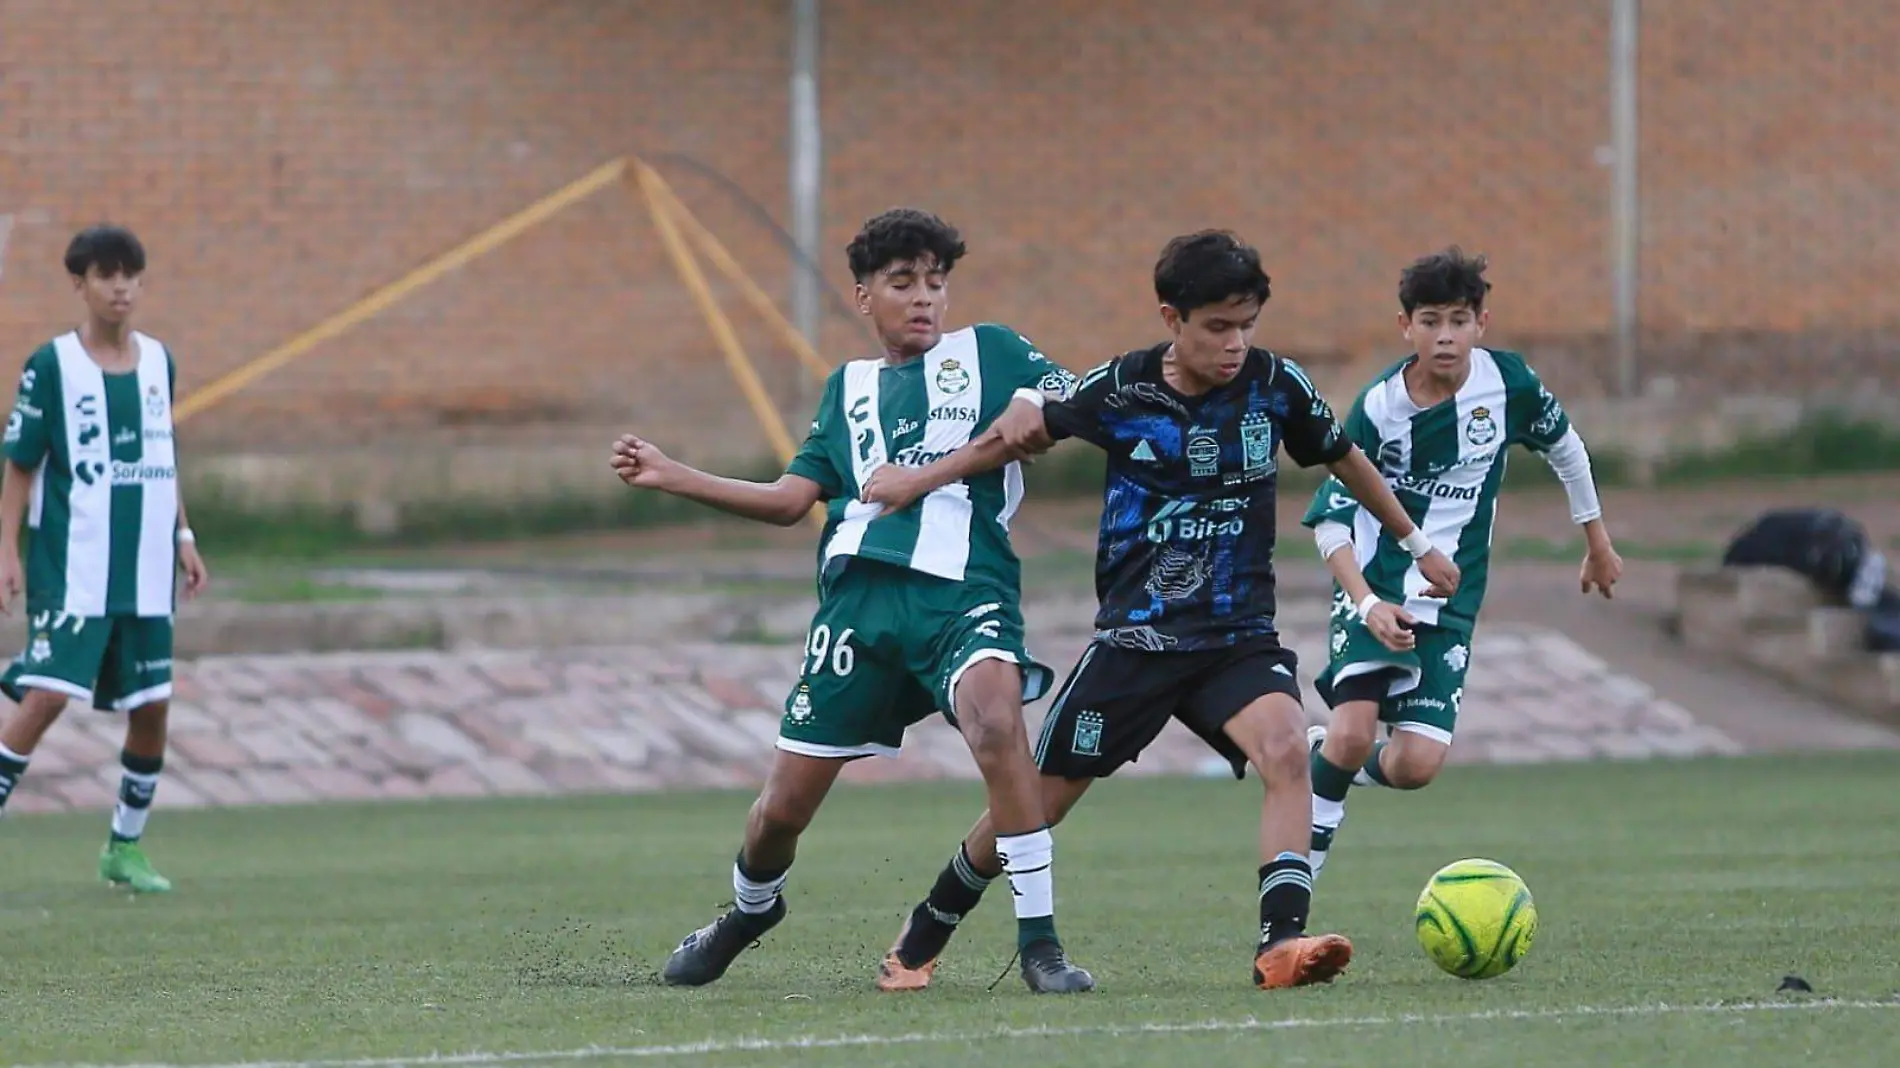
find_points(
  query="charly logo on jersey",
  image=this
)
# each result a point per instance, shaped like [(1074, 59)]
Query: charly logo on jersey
[(951, 377), (1203, 452), (1088, 734), (860, 415), (1481, 429)]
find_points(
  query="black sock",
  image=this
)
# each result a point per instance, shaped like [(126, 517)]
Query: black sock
[(1286, 893), (959, 888)]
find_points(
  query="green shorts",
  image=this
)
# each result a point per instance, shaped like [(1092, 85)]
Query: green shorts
[(1424, 697), (117, 662), (885, 650)]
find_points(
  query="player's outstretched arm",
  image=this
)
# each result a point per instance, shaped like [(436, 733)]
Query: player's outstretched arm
[(641, 464), (1368, 487), (896, 487), (1570, 459), (1390, 623)]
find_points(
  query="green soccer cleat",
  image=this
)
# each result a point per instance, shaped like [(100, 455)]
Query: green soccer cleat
[(124, 864)]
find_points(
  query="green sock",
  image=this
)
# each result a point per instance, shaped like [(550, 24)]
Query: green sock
[(1330, 781), (1372, 769), (1035, 929)]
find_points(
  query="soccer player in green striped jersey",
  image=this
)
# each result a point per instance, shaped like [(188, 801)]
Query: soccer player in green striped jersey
[(92, 471), (919, 609), (1438, 425)]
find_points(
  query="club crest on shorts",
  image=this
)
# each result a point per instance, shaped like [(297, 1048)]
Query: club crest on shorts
[(951, 377), (41, 650), (1481, 429), (1088, 735), (800, 708)]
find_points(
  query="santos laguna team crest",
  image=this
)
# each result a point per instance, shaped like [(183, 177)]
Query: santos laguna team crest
[(951, 377), (1481, 429)]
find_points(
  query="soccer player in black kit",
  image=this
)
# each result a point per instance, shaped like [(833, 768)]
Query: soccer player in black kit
[(1184, 574)]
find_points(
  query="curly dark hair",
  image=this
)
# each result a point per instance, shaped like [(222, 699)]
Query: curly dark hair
[(901, 235), (1443, 279), (1209, 267), (110, 248)]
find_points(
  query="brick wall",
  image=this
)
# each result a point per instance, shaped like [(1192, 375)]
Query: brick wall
[(284, 158)]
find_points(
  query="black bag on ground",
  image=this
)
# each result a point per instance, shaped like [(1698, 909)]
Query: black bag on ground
[(1833, 551)]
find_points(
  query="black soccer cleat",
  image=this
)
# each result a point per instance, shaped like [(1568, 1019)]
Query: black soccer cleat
[(1046, 970), (704, 955)]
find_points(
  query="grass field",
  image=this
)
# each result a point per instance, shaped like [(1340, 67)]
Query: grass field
[(1673, 899)]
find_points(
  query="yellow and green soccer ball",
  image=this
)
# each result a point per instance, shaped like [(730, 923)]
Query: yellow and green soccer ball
[(1476, 919)]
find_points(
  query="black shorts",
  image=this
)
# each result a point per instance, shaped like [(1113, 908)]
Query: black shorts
[(1116, 702)]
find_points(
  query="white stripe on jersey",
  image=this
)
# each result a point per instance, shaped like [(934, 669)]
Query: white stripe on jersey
[(158, 510), (943, 528), (859, 400), (89, 446), (1391, 410)]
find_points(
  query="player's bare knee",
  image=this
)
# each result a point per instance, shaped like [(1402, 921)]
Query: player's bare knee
[(148, 721), (1351, 735), (36, 713), (780, 815), (989, 710), (1413, 762), (1281, 757)]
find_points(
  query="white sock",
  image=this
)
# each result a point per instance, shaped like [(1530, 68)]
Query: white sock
[(754, 897), (135, 804), (1327, 816), (1026, 860)]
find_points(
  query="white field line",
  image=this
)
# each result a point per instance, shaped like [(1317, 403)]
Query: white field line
[(933, 1038)]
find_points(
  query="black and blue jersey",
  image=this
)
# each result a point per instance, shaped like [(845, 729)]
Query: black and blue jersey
[(1185, 558)]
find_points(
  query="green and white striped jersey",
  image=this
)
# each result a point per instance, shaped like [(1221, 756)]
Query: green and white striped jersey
[(1445, 464), (104, 511), (914, 413)]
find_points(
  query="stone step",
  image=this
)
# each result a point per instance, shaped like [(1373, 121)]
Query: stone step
[(656, 715)]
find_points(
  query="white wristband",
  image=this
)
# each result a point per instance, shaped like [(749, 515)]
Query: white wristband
[(1366, 606), (185, 536), (1033, 396), (1416, 543)]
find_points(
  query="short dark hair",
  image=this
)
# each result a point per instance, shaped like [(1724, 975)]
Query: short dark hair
[(110, 248), (1444, 278), (901, 235), (1209, 267)]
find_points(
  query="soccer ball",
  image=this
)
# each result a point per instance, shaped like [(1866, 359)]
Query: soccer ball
[(1476, 919)]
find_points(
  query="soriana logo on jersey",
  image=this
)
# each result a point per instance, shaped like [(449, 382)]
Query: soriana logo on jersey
[(133, 473)]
